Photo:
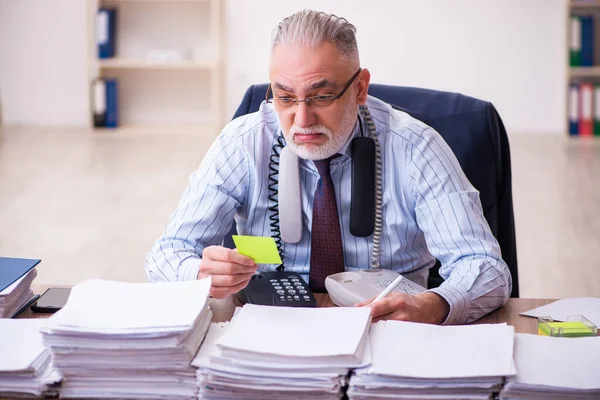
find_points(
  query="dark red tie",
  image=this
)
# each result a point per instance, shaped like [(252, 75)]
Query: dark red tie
[(326, 249)]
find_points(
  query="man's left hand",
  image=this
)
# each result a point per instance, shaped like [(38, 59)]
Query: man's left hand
[(427, 307)]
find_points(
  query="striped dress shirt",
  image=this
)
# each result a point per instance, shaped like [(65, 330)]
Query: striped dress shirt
[(430, 210)]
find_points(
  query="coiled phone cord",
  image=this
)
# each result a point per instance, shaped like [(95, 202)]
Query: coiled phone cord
[(372, 132), (274, 201), (273, 197)]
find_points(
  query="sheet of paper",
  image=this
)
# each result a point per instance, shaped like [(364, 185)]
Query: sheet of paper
[(459, 351), (263, 250), (215, 332), (20, 343), (589, 307), (107, 306), (297, 332), (558, 362)]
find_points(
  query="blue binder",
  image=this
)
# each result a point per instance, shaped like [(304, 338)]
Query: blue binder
[(12, 269), (112, 103), (106, 30), (573, 112), (587, 41)]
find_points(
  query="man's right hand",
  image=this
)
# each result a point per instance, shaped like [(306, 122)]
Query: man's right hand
[(229, 270)]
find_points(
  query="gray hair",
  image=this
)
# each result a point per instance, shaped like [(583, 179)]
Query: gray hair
[(313, 28)]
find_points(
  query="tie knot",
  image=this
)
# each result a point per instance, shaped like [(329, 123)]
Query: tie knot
[(323, 165)]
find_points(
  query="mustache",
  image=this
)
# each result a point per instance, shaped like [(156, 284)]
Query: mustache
[(310, 130)]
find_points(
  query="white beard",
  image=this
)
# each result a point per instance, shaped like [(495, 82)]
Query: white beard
[(333, 144)]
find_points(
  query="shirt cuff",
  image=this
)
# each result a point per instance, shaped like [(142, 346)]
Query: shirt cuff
[(457, 300), (188, 269)]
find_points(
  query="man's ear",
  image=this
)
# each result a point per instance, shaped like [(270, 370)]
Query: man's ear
[(362, 84)]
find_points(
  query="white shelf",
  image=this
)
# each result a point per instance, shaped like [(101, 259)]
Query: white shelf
[(138, 130), (585, 72), (128, 63), (154, 1), (584, 4)]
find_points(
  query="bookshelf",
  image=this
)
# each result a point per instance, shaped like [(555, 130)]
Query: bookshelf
[(180, 95), (129, 63), (583, 81), (583, 4)]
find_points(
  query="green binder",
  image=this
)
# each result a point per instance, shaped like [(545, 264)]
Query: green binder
[(575, 41), (597, 109)]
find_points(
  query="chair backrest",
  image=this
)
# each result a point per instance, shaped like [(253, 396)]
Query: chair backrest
[(475, 133)]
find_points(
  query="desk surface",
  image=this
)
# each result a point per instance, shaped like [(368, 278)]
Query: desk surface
[(223, 311)]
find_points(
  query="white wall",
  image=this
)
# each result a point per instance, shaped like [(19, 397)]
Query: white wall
[(43, 62), (510, 52)]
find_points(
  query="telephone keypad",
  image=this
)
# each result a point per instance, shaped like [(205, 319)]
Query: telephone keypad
[(285, 289)]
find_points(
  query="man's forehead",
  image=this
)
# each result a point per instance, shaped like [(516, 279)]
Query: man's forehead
[(293, 62), (319, 83)]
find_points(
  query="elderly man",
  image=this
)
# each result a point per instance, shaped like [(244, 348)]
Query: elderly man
[(427, 208)]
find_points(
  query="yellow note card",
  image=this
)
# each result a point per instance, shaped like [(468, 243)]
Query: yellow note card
[(262, 250)]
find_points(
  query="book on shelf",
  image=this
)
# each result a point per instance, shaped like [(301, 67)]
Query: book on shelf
[(105, 103), (584, 109), (106, 31), (581, 41)]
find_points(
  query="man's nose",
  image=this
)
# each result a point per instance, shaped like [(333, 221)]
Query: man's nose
[(304, 116)]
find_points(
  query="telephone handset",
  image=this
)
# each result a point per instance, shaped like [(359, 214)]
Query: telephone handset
[(278, 288), (348, 288)]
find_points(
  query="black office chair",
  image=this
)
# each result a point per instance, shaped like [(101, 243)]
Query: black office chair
[(475, 133)]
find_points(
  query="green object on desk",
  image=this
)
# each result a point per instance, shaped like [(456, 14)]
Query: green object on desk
[(575, 326), (262, 250)]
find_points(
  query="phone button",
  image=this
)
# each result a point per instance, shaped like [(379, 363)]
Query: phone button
[(291, 291), (281, 292), (302, 291), (277, 287)]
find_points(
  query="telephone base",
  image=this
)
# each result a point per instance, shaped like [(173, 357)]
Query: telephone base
[(346, 289)]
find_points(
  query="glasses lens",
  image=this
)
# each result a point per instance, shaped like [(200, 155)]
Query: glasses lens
[(322, 101)]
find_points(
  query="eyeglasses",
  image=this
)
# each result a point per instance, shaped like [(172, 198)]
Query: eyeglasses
[(317, 101)]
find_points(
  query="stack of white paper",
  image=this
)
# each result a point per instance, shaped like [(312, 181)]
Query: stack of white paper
[(283, 353), (414, 361), (25, 365), (555, 368), (130, 340), (17, 295)]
